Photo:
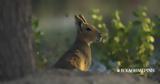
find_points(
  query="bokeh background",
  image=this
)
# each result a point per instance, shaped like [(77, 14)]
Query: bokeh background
[(135, 23)]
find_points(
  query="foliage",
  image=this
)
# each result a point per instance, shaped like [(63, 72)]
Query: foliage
[(40, 59), (127, 45)]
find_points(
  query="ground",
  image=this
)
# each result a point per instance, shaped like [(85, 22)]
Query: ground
[(76, 77)]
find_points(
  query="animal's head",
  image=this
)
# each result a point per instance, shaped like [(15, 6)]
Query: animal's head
[(86, 31)]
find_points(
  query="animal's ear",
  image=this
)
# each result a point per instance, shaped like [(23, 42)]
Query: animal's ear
[(83, 18), (80, 21)]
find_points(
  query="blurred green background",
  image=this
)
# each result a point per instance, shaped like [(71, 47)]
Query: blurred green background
[(131, 31)]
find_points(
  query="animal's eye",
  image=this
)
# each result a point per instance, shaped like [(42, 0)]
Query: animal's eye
[(88, 29)]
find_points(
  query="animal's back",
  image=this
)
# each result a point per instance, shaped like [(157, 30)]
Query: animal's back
[(74, 59)]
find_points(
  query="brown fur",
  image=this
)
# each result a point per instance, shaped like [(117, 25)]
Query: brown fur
[(79, 56)]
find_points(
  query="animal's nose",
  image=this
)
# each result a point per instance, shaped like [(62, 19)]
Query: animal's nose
[(99, 35)]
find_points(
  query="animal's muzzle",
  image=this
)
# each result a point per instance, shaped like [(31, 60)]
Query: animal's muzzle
[(99, 35)]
